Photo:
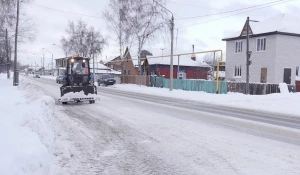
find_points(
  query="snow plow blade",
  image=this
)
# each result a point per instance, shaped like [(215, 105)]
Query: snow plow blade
[(86, 90), (78, 94)]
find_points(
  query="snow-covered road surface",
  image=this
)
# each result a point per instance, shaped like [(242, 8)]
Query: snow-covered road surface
[(121, 135)]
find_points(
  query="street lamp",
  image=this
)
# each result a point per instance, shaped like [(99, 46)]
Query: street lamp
[(52, 58), (172, 41), (248, 54)]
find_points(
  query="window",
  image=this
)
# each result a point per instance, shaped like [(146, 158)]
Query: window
[(238, 71), (297, 71), (238, 47), (261, 44), (128, 72)]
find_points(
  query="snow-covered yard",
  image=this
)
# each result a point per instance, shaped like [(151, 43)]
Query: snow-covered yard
[(284, 104), (25, 130)]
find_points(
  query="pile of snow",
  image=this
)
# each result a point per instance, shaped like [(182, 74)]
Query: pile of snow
[(283, 103), (283, 88), (78, 95), (49, 77), (25, 130)]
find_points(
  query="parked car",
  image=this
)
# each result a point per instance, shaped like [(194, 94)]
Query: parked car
[(36, 76), (106, 79), (60, 79)]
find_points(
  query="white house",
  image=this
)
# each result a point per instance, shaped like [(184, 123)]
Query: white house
[(275, 46)]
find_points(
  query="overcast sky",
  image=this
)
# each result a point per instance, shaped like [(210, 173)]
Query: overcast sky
[(51, 24)]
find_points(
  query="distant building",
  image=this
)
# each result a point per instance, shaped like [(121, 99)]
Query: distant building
[(188, 68), (274, 44), (129, 66)]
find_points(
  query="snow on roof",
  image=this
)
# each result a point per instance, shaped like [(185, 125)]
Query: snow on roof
[(221, 74), (101, 69), (281, 23), (183, 61)]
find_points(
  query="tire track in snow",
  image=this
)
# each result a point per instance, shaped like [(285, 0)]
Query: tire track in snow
[(114, 149)]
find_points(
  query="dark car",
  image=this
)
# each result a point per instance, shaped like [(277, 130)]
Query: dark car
[(60, 79), (106, 79), (36, 76)]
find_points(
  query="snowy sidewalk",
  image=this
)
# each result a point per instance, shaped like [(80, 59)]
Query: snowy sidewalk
[(283, 104), (25, 130)]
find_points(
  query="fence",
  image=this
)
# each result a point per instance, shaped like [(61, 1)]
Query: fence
[(256, 88), (205, 86), (189, 85), (134, 79)]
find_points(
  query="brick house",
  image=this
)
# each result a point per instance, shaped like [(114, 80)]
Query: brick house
[(129, 67), (193, 69)]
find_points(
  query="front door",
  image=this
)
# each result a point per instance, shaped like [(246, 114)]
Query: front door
[(263, 75), (287, 75)]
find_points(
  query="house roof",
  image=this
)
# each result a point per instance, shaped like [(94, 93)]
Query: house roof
[(284, 24), (183, 61), (101, 69)]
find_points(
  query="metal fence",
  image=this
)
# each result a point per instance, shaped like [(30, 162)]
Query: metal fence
[(256, 88), (189, 85), (204, 85)]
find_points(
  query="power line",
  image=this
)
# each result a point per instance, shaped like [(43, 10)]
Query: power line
[(191, 5), (63, 11), (220, 13), (232, 15)]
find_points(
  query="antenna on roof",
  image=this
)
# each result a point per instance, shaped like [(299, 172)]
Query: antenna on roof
[(193, 55)]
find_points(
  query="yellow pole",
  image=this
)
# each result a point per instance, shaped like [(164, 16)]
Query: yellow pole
[(218, 68), (217, 76)]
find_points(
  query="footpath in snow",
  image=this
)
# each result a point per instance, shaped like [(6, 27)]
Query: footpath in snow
[(25, 130), (283, 104)]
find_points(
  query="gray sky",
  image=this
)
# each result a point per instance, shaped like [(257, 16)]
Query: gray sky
[(51, 24)]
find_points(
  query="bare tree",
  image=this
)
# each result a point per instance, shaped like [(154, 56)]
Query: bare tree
[(211, 59), (147, 20), (145, 53), (116, 16), (83, 40), (9, 21)]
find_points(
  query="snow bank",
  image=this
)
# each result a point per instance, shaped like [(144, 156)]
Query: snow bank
[(283, 103), (49, 77), (25, 130), (283, 88)]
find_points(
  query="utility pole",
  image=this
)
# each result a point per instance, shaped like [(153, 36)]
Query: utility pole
[(248, 54), (121, 18), (171, 61), (172, 43), (16, 76), (248, 58), (52, 66), (94, 74), (43, 64), (178, 68), (7, 56)]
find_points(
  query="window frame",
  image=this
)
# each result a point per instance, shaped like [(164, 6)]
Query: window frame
[(264, 39), (237, 71), (236, 47)]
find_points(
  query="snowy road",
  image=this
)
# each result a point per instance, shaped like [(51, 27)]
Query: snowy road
[(143, 135)]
